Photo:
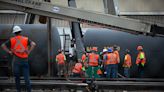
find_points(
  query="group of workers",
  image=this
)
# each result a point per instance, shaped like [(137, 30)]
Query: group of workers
[(105, 64), (91, 64)]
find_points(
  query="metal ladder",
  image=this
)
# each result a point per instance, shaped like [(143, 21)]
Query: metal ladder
[(67, 43)]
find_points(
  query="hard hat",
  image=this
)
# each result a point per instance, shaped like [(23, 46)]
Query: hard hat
[(59, 50), (127, 50), (16, 29), (110, 50), (139, 48), (115, 46), (105, 50), (94, 49)]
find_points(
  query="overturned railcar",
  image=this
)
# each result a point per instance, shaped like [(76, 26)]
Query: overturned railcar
[(38, 58), (153, 47)]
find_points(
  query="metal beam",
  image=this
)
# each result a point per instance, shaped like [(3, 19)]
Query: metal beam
[(76, 15), (76, 30)]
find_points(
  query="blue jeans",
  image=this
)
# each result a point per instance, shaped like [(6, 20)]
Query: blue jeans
[(127, 72), (21, 64), (116, 67), (112, 71)]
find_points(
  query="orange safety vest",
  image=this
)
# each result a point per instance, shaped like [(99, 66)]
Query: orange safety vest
[(83, 58), (60, 58), (77, 68), (19, 46), (138, 60), (118, 56), (104, 61), (93, 59), (127, 61), (111, 58)]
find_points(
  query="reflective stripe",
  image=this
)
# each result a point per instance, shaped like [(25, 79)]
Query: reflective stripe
[(18, 43), (77, 68), (127, 61), (142, 56), (93, 59), (60, 58), (111, 58)]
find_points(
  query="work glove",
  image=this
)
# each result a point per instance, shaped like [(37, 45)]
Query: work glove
[(83, 68)]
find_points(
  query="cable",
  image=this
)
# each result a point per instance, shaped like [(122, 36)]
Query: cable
[(15, 16)]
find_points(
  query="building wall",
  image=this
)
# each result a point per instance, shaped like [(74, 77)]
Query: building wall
[(60, 2), (140, 7), (93, 5), (11, 18)]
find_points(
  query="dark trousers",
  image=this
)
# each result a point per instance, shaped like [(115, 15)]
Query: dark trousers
[(116, 66), (127, 72), (112, 71), (77, 75), (61, 70), (141, 71), (18, 66)]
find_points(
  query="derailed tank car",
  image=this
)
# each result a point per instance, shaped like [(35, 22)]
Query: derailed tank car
[(38, 58), (153, 47)]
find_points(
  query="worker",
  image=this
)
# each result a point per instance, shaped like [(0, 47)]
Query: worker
[(78, 69), (61, 63), (111, 61), (116, 51), (84, 59), (105, 52), (20, 47), (104, 68), (140, 61), (127, 63), (93, 62)]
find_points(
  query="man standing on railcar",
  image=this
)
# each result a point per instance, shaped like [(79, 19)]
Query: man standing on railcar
[(20, 47)]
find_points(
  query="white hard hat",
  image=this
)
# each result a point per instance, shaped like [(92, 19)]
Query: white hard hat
[(16, 29), (105, 50)]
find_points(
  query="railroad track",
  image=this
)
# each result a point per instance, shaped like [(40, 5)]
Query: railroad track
[(89, 85)]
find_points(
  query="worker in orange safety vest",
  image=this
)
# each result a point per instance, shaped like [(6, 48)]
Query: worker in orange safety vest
[(61, 64), (78, 69), (93, 62), (20, 47), (116, 51), (127, 64), (141, 61), (84, 59), (111, 61), (103, 66)]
